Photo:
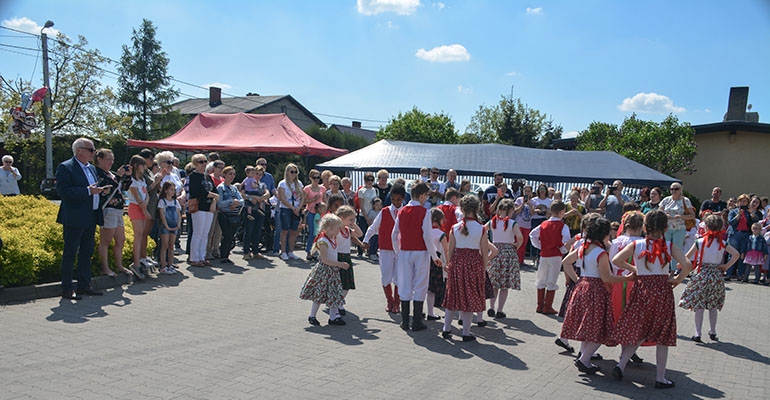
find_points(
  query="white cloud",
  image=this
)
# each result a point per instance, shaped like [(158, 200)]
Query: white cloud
[(391, 25), (464, 90), (570, 134), (512, 73), (27, 25), (538, 10), (372, 7), (707, 110), (439, 5), (451, 53), (217, 84), (652, 103)]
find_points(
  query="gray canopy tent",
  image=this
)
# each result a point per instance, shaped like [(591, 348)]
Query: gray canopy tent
[(513, 162)]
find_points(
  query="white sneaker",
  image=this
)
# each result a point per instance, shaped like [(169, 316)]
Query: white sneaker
[(293, 256), (149, 262), (284, 257), (167, 271)]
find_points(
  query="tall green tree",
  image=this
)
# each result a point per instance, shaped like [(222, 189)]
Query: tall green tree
[(668, 146), (512, 122), (418, 126), (144, 82)]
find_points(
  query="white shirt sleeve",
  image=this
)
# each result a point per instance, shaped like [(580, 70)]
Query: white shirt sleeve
[(394, 237), (427, 236), (534, 237), (374, 228)]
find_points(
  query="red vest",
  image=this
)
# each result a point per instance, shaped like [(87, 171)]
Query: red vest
[(449, 217), (550, 238), (386, 229), (410, 225)]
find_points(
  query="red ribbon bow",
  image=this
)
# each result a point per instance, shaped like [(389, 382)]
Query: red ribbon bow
[(323, 234), (657, 250), (586, 244), (496, 218)]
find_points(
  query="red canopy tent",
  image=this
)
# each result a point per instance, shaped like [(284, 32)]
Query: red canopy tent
[(252, 133)]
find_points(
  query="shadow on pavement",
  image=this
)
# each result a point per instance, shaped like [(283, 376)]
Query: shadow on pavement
[(90, 307), (353, 333), (526, 326), (736, 350), (639, 382)]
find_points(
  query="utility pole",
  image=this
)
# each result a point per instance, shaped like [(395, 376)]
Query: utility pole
[(47, 104)]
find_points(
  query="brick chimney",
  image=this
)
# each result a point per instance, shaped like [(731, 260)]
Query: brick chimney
[(215, 96), (357, 124)]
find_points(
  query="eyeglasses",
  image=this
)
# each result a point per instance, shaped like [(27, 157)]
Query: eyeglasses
[(201, 162), (292, 172), (263, 164), (675, 189), (90, 149), (315, 177), (169, 162), (434, 172), (7, 162), (369, 179)]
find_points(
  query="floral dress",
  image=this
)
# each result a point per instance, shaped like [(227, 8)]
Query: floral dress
[(323, 284), (706, 289)]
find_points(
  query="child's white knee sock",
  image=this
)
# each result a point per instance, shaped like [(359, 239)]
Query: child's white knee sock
[(467, 318), (431, 298), (334, 313), (448, 315), (501, 298), (698, 321), (314, 309), (713, 314), (661, 358)]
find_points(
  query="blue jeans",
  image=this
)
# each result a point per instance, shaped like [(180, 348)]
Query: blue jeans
[(252, 232), (374, 245), (309, 218), (677, 238), (277, 233), (739, 241)]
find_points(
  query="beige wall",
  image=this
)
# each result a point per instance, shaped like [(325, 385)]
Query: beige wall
[(295, 114), (737, 165)]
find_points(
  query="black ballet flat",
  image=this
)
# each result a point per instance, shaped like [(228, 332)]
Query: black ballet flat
[(713, 337), (469, 338), (491, 313), (500, 315), (664, 385), (446, 334), (313, 321), (564, 346), (592, 370), (481, 324), (696, 339), (637, 359), (432, 318), (617, 373)]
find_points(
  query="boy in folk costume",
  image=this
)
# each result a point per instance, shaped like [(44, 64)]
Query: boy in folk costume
[(553, 239), (383, 226), (452, 213), (414, 248)]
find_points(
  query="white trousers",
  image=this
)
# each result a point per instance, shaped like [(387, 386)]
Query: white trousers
[(412, 274), (201, 221), (548, 273), (388, 267)]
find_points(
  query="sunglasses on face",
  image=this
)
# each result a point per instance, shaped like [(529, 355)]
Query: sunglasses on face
[(292, 172), (675, 189), (90, 149), (201, 161), (169, 162), (315, 177), (262, 164)]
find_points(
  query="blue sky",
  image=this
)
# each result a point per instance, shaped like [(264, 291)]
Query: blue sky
[(577, 61)]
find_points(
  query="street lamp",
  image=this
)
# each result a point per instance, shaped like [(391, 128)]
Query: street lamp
[(47, 104)]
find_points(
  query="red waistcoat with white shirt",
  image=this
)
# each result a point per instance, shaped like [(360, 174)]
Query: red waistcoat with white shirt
[(550, 238), (387, 222), (410, 226)]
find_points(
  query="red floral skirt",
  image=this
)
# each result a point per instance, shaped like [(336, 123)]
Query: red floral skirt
[(649, 314), (589, 313), (465, 281)]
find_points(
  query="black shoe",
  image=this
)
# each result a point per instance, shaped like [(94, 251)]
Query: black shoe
[(713, 337), (664, 385), (565, 346), (70, 295), (432, 318), (596, 356), (405, 308), (617, 373), (481, 324), (637, 359), (500, 315), (592, 370), (225, 261), (446, 334), (336, 321), (491, 313), (696, 339), (460, 322), (313, 321), (469, 338), (89, 292), (342, 312)]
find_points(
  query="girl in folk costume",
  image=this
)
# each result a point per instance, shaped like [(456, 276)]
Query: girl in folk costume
[(323, 283), (649, 314), (589, 313), (755, 253), (706, 288), (569, 282), (504, 267), (436, 282), (469, 251), (349, 230), (632, 224)]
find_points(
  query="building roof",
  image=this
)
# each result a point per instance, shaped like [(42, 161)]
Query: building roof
[(512, 161), (730, 126), (234, 105), (367, 134)]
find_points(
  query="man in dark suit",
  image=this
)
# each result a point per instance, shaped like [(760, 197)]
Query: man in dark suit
[(76, 183)]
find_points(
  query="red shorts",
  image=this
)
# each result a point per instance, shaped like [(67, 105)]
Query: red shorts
[(136, 213)]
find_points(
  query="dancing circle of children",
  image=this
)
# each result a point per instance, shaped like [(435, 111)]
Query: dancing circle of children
[(706, 288), (349, 232), (468, 254), (503, 269), (589, 314), (414, 249), (553, 239), (383, 226), (437, 279), (649, 314), (323, 285)]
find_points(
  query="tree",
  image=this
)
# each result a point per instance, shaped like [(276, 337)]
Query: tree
[(145, 86), (418, 126), (668, 147), (512, 122)]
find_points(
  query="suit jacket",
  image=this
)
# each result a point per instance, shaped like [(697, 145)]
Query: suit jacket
[(76, 209)]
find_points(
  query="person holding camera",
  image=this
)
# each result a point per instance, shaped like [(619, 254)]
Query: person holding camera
[(491, 193), (111, 205), (595, 198), (613, 202), (678, 209)]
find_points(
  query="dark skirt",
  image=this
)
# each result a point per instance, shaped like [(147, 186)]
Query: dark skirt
[(649, 314), (346, 275), (437, 283), (465, 282), (567, 293)]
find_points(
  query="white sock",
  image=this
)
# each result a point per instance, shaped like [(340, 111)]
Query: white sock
[(587, 349), (661, 358), (334, 313), (344, 295), (467, 317), (314, 309), (713, 314), (479, 316), (698, 321), (625, 355), (448, 316), (431, 298), (493, 300), (501, 298)]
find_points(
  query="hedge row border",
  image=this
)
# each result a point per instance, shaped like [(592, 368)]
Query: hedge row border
[(24, 294)]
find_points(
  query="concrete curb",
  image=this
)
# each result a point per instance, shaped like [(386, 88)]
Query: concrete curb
[(29, 293)]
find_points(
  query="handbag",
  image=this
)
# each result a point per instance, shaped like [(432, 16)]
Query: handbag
[(192, 205)]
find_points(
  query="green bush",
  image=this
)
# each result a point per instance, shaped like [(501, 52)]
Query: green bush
[(33, 242)]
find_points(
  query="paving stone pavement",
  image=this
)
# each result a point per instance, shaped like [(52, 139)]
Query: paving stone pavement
[(239, 331)]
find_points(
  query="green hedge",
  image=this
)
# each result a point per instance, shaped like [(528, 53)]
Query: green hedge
[(33, 242)]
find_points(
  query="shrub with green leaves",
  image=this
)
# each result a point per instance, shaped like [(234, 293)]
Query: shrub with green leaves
[(33, 242)]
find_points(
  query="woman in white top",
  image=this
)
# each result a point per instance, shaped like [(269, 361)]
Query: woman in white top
[(291, 197)]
